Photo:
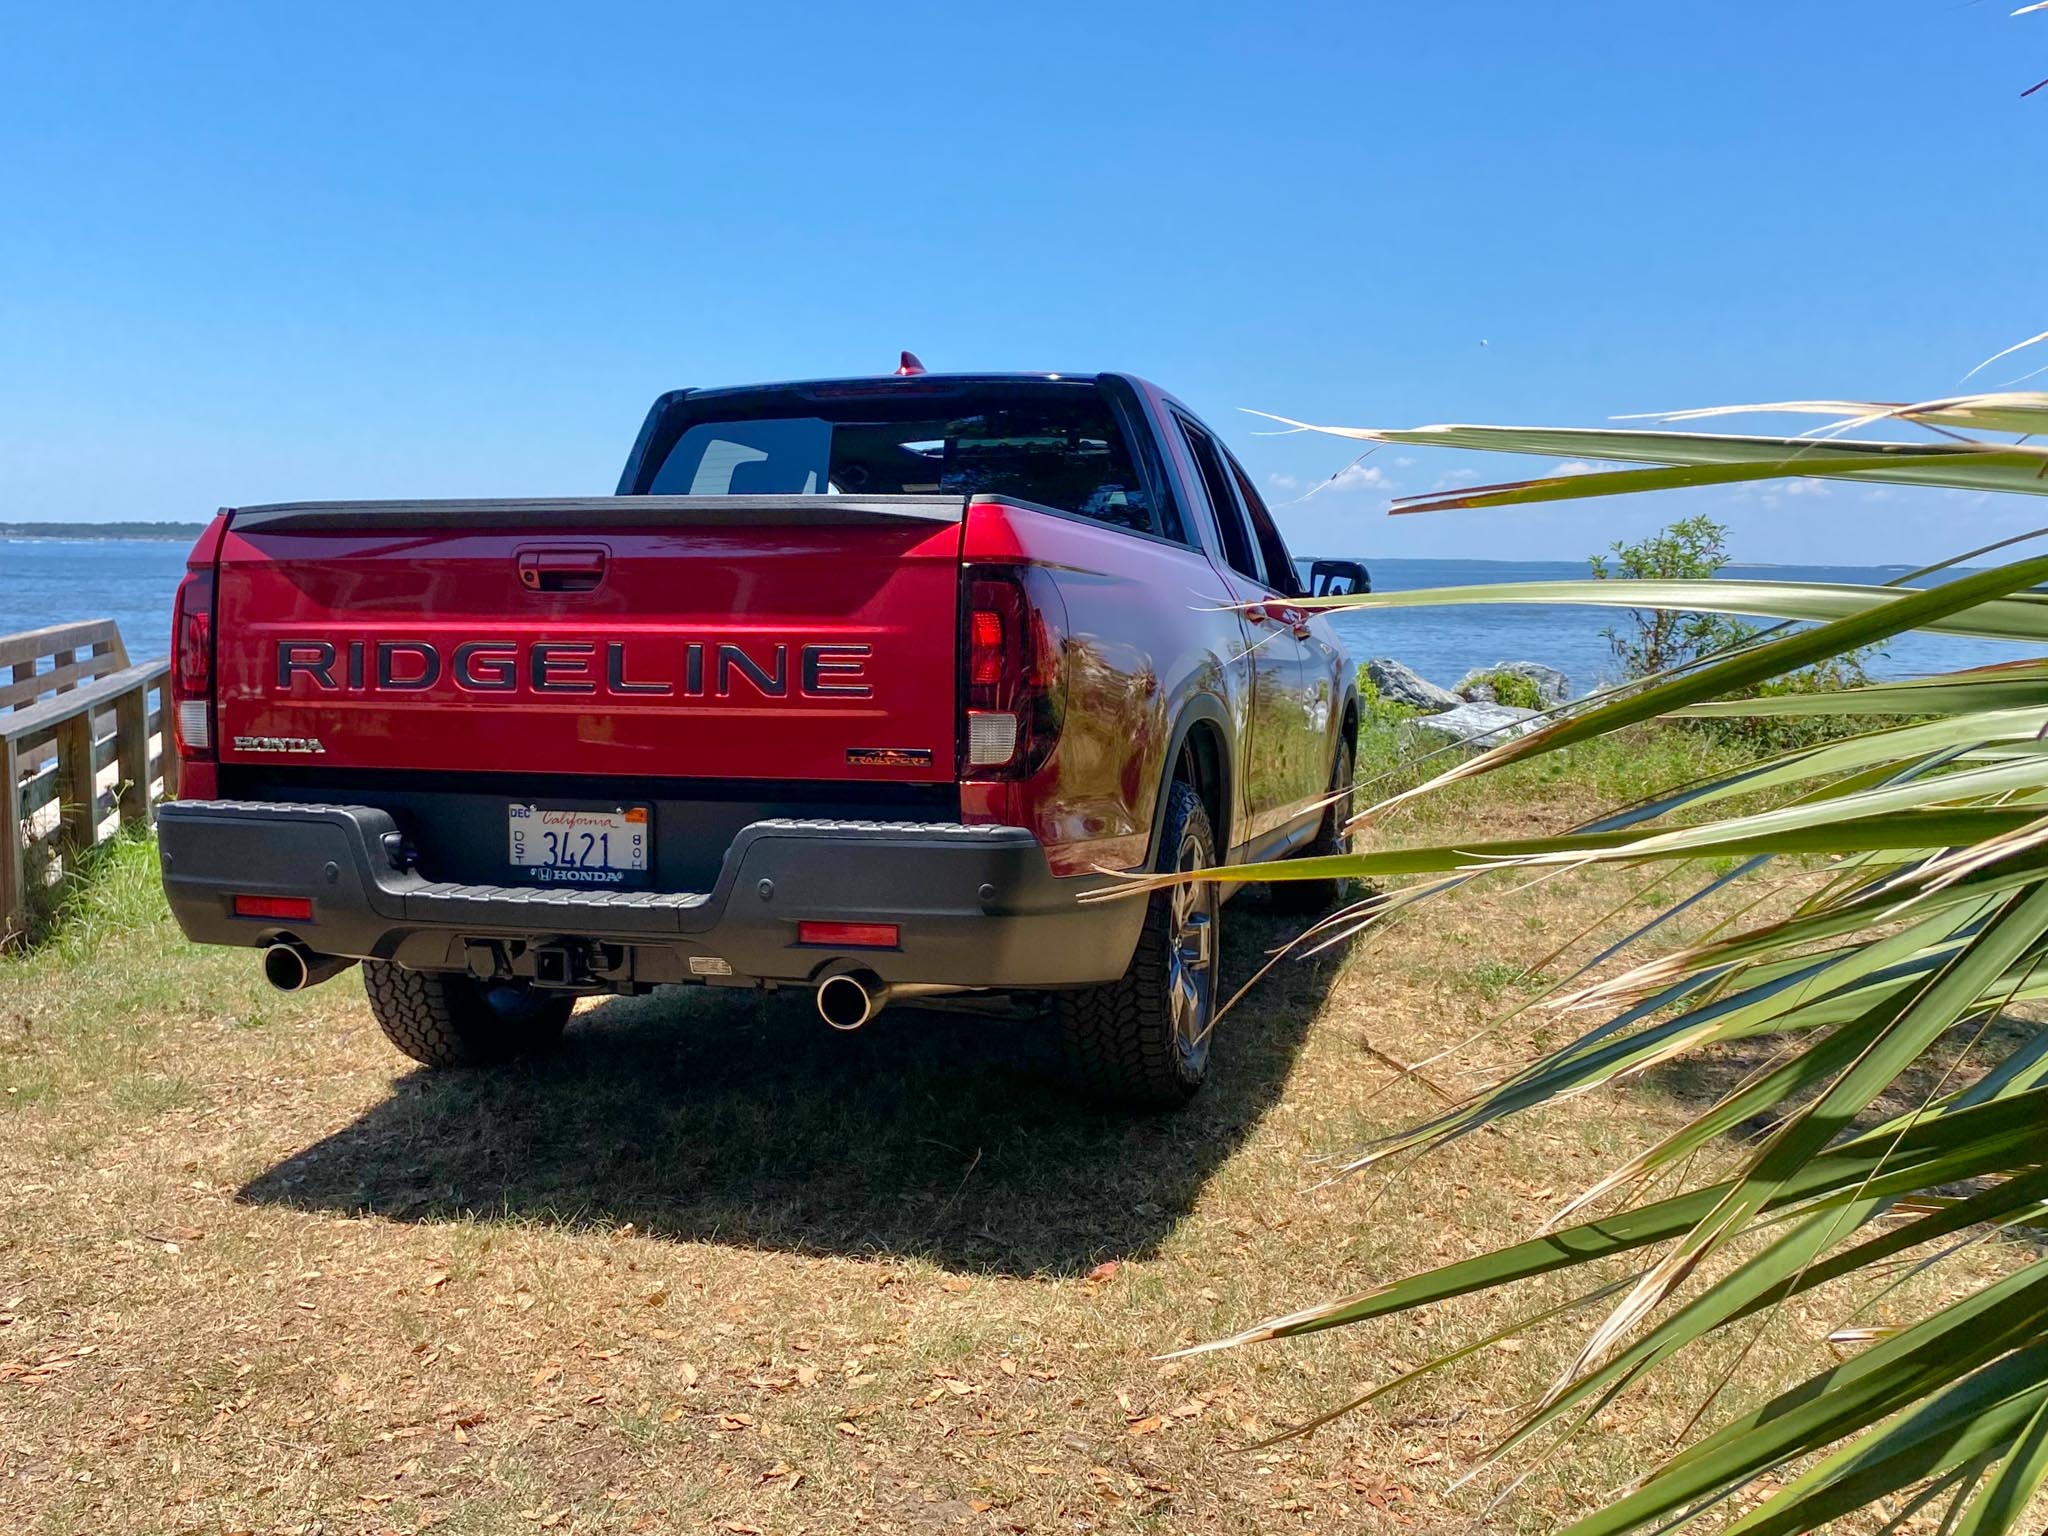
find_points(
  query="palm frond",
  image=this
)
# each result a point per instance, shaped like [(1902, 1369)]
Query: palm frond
[(1933, 924)]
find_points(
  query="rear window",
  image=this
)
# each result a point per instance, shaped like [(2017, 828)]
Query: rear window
[(1065, 452)]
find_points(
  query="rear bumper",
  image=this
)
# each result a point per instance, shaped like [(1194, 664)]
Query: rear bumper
[(977, 906)]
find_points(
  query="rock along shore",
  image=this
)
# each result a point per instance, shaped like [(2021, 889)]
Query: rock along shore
[(1472, 710)]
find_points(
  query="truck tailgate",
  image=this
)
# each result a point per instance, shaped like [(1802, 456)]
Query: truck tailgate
[(779, 638)]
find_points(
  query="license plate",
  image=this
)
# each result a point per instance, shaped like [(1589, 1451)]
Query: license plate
[(559, 845)]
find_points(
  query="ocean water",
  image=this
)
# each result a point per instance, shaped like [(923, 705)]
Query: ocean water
[(58, 581), (133, 581), (1444, 643)]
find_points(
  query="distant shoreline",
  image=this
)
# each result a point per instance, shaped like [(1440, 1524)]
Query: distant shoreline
[(158, 533), (186, 533)]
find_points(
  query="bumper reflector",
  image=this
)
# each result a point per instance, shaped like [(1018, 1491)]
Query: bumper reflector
[(849, 935), (284, 909)]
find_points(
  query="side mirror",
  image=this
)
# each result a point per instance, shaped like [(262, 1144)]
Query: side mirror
[(1338, 578)]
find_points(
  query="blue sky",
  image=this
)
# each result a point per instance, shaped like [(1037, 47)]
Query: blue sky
[(262, 252)]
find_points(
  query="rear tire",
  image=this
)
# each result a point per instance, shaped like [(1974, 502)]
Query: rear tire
[(1300, 896), (1141, 1043), (444, 1019)]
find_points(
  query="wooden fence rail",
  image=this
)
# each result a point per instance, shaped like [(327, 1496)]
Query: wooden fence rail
[(85, 749)]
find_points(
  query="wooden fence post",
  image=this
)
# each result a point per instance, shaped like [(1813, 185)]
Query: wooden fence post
[(169, 764), (77, 786), (131, 753), (13, 878)]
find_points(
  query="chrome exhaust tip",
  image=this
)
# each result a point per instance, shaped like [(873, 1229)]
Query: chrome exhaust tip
[(848, 999), (291, 967)]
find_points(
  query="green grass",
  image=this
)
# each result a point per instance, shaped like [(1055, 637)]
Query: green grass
[(1608, 771), (113, 891), (1493, 977), (108, 922)]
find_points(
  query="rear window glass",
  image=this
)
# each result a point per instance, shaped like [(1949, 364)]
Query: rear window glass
[(1067, 454)]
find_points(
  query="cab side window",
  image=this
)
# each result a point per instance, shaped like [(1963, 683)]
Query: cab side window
[(1285, 579), (1240, 552)]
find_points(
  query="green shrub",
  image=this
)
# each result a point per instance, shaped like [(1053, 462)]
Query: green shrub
[(1375, 709), (1513, 690), (1696, 549), (1654, 640), (1771, 734)]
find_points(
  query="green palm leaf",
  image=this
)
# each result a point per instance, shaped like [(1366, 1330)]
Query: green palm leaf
[(2019, 618), (1689, 459), (1935, 921)]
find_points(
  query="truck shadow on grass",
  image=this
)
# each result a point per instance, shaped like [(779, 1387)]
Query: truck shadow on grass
[(740, 1118)]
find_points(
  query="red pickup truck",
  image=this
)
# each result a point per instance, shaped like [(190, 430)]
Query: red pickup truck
[(853, 685)]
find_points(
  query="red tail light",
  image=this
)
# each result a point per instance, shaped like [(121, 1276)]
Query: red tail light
[(985, 669), (192, 664), (192, 650), (1014, 695)]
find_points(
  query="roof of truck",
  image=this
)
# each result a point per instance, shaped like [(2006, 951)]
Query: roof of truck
[(908, 383)]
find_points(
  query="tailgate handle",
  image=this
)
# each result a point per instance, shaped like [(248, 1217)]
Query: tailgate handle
[(563, 570)]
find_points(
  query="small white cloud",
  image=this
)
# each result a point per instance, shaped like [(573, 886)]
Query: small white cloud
[(1455, 478), (1404, 463), (1809, 488), (1576, 467), (1359, 477), (1354, 478)]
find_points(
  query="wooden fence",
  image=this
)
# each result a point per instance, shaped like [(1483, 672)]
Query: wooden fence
[(85, 749)]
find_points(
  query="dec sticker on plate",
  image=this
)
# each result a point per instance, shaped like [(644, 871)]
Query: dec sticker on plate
[(563, 845)]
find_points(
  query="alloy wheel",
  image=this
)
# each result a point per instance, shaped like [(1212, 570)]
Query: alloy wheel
[(1191, 957)]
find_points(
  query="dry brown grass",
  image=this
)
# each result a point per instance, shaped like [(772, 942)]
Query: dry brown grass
[(714, 1268)]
